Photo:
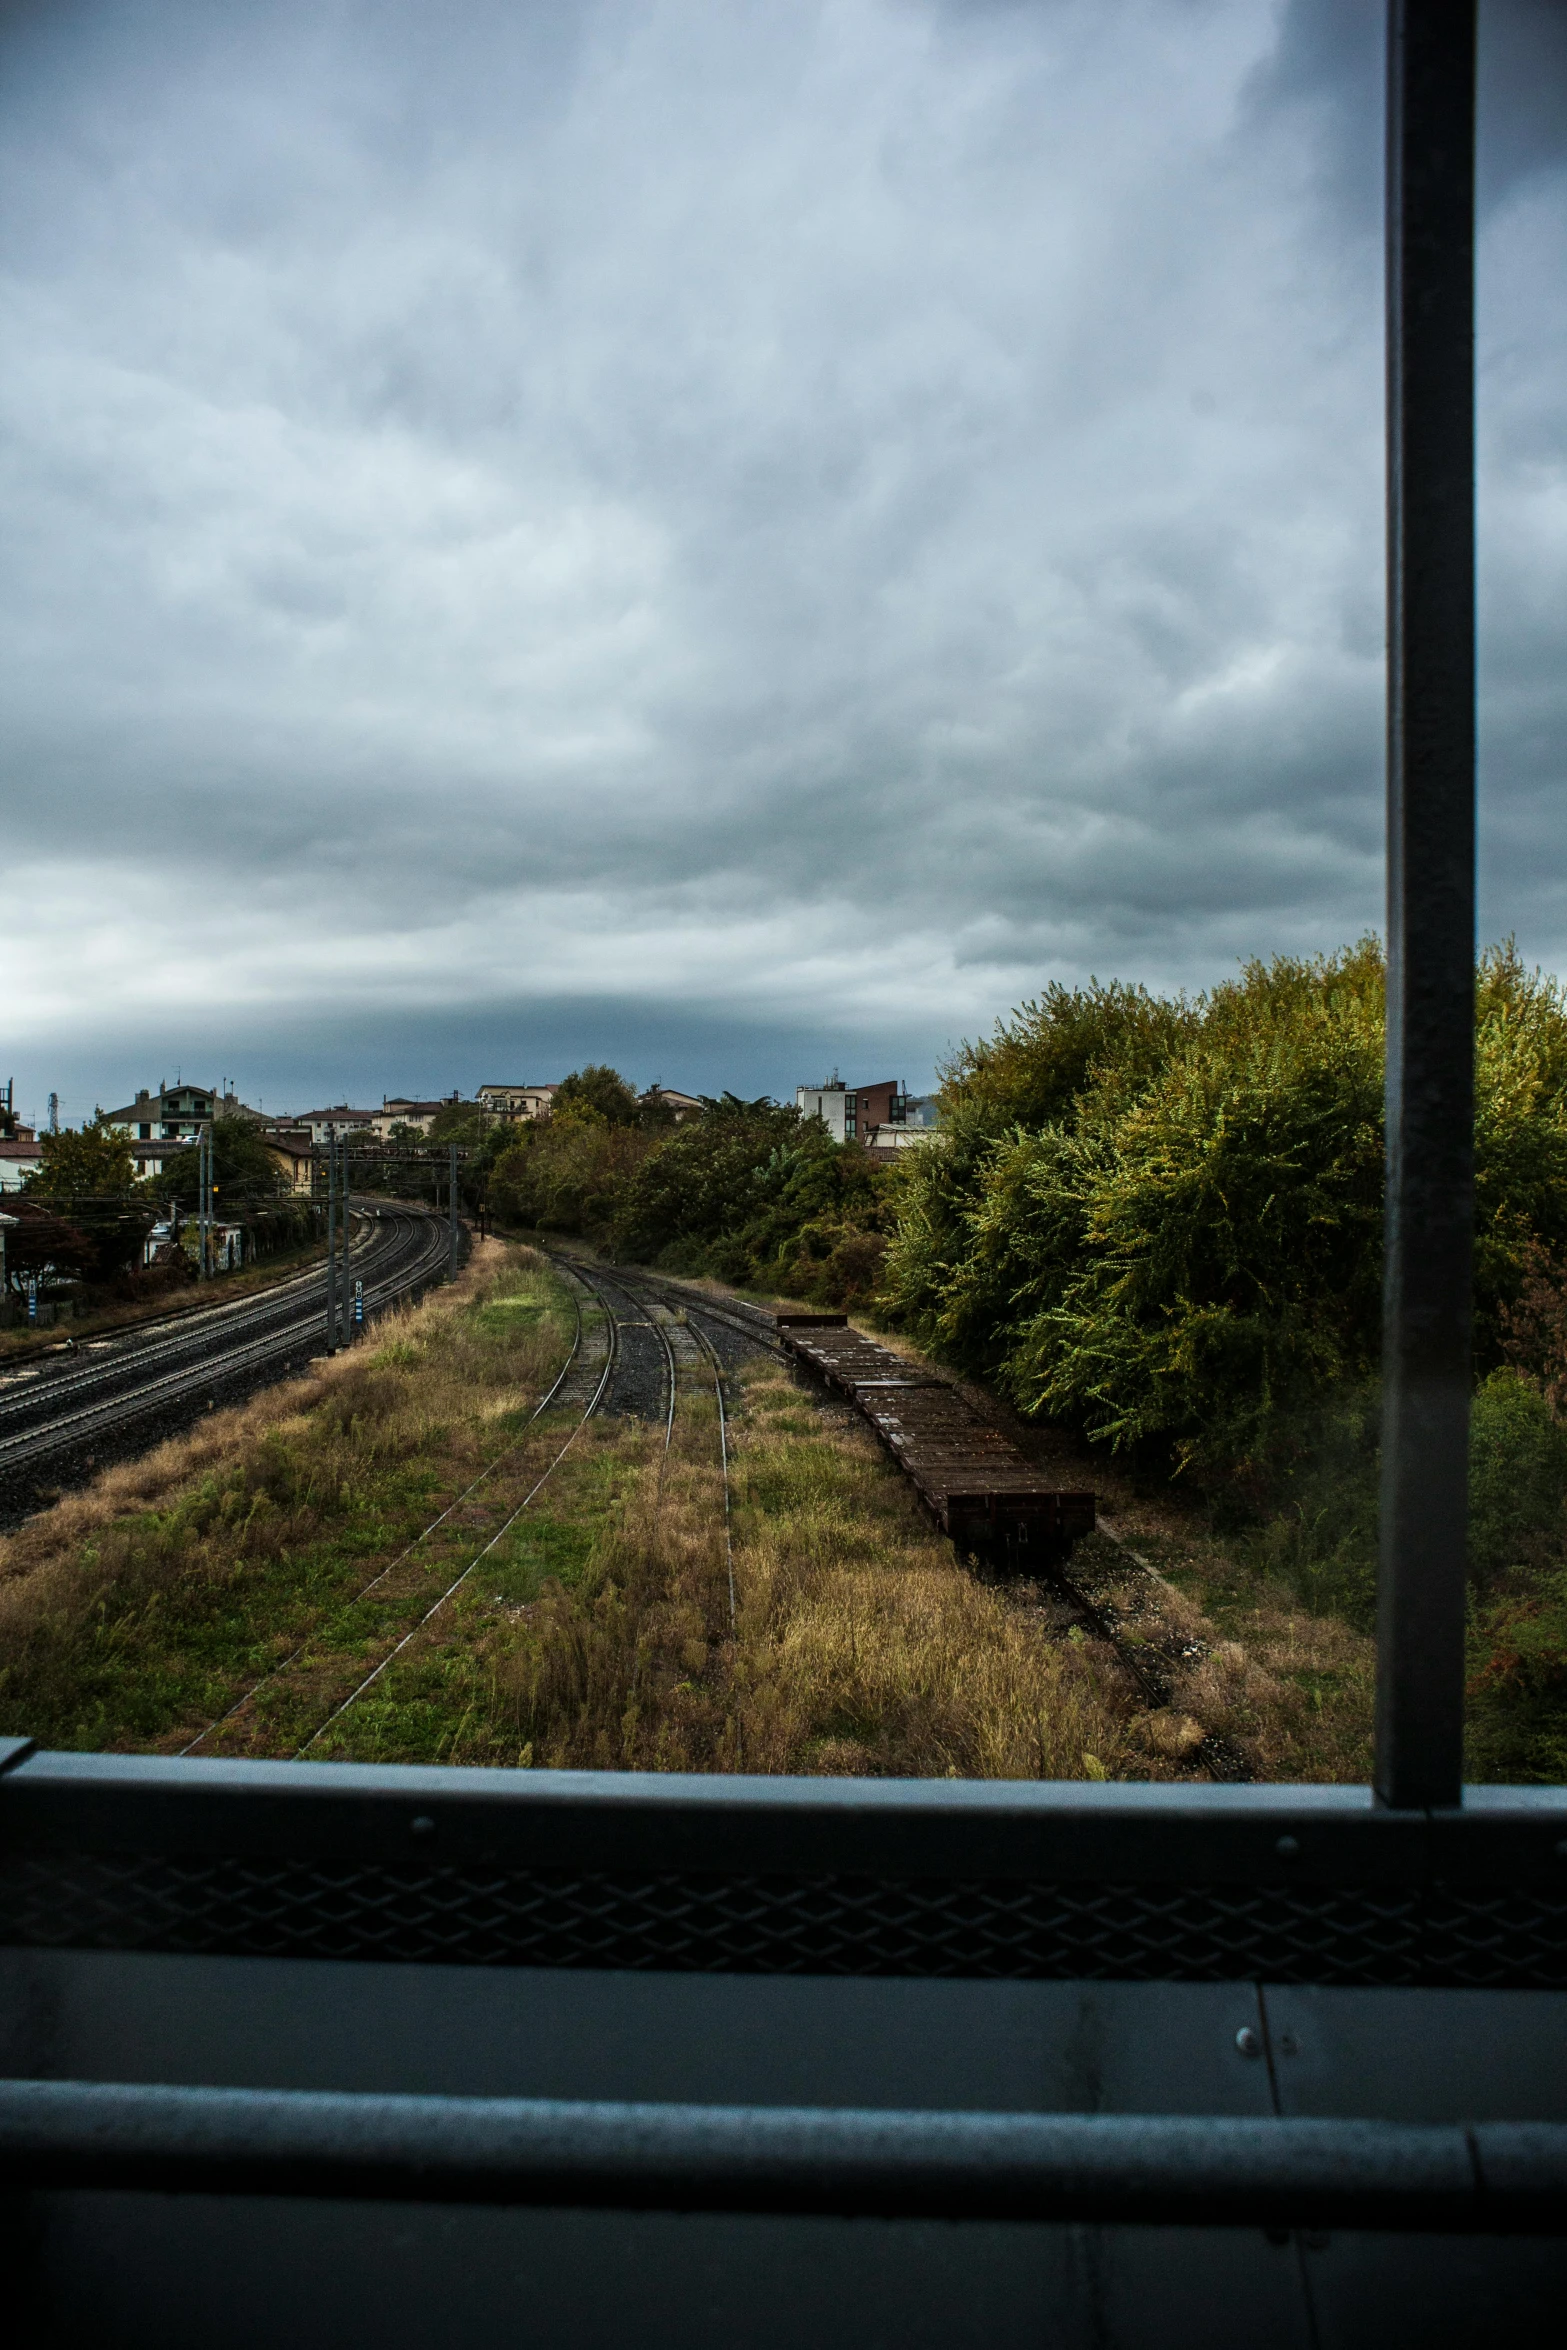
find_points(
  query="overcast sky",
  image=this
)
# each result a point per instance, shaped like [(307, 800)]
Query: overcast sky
[(719, 535)]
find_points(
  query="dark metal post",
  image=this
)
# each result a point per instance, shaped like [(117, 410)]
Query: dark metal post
[(342, 1273), (451, 1209), (1431, 921), (206, 1203), (331, 1243)]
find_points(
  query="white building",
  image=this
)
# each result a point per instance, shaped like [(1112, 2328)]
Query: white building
[(516, 1101), (18, 1160), (850, 1111), (340, 1121)]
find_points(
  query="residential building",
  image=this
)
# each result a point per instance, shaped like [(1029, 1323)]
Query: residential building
[(155, 1124), (849, 1111), (398, 1110), (681, 1106), (20, 1156), (290, 1148), (339, 1121), (516, 1101), (920, 1118), (175, 1113)]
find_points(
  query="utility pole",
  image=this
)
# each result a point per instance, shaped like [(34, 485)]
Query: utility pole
[(451, 1206), (331, 1242), (343, 1316), (7, 1223), (201, 1203)]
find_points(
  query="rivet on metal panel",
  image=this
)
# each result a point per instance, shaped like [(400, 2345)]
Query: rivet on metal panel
[(1288, 2044), (422, 1825), (1248, 2042), (1287, 1847)]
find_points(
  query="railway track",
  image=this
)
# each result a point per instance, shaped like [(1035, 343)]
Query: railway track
[(634, 1374), (124, 1393), (1151, 1665)]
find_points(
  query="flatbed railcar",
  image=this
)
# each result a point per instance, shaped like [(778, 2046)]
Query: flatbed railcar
[(971, 1478)]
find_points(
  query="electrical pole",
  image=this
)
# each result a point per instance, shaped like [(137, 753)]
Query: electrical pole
[(343, 1316), (331, 1242), (201, 1203), (451, 1206), (6, 1222)]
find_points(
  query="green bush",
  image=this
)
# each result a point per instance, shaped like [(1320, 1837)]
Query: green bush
[(1163, 1221), (749, 1192)]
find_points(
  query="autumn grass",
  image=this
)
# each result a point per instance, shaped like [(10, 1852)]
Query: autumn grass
[(135, 1613), (241, 1582), (595, 1629), (1289, 1690), (598, 1636)]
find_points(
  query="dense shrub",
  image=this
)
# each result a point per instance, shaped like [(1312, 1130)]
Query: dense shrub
[(749, 1191), (566, 1175), (1163, 1221)]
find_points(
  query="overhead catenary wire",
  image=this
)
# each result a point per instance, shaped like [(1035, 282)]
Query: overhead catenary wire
[(244, 1338)]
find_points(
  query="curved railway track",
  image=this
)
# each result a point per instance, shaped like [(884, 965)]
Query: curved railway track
[(1150, 1668), (632, 1359), (636, 1375), (122, 1394)]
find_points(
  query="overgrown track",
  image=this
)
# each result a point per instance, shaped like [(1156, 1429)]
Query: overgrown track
[(732, 1327), (581, 1388), (121, 1394), (643, 1377), (685, 1322)]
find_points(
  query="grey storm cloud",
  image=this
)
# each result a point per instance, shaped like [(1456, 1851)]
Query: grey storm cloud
[(827, 516)]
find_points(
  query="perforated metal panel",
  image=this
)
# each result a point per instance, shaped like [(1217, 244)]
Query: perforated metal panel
[(1478, 1937)]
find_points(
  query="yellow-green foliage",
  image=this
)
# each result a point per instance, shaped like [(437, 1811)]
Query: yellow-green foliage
[(1164, 1220), (748, 1191)]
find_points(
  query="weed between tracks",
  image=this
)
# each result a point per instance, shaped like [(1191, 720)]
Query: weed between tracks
[(597, 1631), (134, 1613)]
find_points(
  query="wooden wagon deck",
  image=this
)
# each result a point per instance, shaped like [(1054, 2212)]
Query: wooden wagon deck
[(971, 1478)]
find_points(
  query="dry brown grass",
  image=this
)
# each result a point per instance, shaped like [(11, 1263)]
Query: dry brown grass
[(1290, 1691), (859, 1646), (131, 1611), (598, 1633), (868, 1647)]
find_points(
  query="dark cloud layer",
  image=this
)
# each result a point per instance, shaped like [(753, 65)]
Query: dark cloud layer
[(750, 532)]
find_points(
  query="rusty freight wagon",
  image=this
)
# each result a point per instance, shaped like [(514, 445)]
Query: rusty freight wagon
[(972, 1479)]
